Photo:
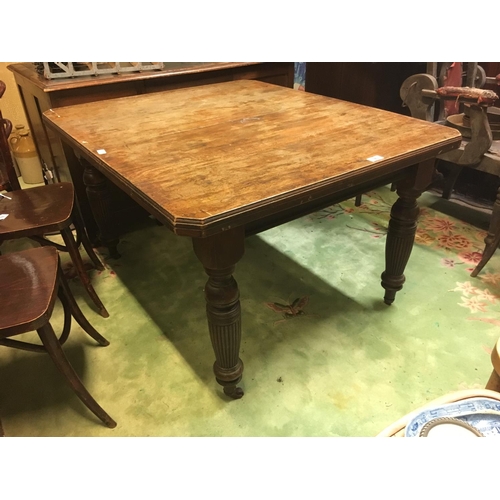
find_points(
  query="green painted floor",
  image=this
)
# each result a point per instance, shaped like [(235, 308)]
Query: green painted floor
[(347, 366)]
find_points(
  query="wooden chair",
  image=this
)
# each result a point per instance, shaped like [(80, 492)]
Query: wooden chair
[(427, 95), (30, 280), (37, 211), (492, 391), (8, 177)]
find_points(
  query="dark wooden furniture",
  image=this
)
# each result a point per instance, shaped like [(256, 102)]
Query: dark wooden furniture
[(39, 94), (425, 96), (30, 281), (46, 209), (38, 211), (218, 162)]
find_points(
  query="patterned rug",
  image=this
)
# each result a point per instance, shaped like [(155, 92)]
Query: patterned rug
[(323, 355)]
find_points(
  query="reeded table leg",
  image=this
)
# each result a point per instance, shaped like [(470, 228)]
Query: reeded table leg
[(402, 229), (100, 203), (219, 254)]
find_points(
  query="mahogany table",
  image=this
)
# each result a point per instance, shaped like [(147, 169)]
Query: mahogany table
[(218, 162)]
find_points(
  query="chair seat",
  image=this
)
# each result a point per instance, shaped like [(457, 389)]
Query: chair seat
[(43, 208), (34, 212), (490, 161), (30, 280), (28, 285)]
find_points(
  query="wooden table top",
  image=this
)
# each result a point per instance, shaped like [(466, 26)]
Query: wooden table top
[(221, 155)]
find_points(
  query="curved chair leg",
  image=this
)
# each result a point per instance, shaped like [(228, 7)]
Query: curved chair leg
[(77, 261), (488, 252), (82, 234), (494, 381), (492, 239), (49, 339), (69, 302)]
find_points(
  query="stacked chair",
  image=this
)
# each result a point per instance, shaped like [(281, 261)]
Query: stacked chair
[(31, 280), (41, 210)]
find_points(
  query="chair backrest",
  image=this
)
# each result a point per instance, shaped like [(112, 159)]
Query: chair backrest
[(8, 177), (416, 91), (452, 94)]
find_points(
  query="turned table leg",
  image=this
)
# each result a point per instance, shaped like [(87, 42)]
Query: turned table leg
[(219, 254), (402, 229), (100, 202)]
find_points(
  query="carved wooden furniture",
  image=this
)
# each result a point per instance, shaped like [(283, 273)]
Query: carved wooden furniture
[(421, 93), (39, 94), (38, 211), (30, 281), (218, 162)]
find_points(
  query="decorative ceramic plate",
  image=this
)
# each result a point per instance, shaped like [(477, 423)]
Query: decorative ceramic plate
[(481, 413), (448, 427)]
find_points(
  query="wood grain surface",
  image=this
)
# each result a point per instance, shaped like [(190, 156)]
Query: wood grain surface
[(208, 155), (27, 289)]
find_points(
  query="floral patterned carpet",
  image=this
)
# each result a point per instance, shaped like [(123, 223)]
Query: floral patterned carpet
[(458, 246)]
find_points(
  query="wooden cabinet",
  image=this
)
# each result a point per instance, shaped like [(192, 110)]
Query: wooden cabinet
[(39, 94), (371, 84)]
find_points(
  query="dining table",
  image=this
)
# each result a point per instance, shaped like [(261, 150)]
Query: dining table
[(219, 162)]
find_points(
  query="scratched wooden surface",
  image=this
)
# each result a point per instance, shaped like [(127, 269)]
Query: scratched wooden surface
[(26, 70), (205, 154)]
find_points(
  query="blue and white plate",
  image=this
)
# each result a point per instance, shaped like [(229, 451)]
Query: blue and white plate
[(481, 413)]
